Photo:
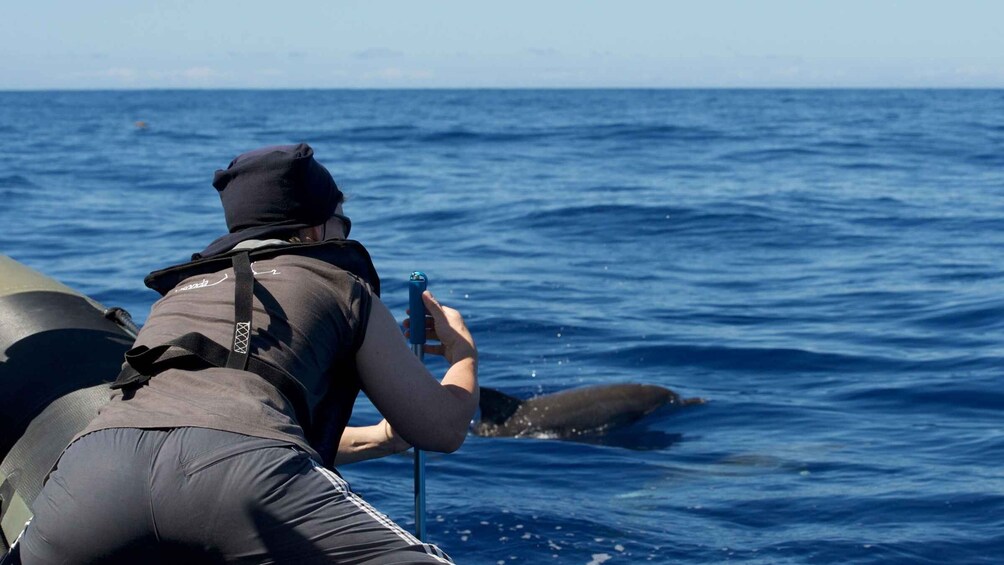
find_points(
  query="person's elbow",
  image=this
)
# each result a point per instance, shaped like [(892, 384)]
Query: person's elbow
[(450, 429), (446, 438), (456, 438), (459, 423)]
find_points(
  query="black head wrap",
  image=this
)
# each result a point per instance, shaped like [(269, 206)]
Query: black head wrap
[(271, 192)]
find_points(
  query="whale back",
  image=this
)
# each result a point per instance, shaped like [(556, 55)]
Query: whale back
[(572, 412)]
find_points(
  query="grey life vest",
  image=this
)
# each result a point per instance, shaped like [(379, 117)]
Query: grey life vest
[(145, 362)]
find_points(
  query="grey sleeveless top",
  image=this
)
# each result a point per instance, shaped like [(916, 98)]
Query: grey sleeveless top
[(309, 318)]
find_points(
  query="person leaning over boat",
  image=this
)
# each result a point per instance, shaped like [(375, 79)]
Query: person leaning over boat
[(217, 453)]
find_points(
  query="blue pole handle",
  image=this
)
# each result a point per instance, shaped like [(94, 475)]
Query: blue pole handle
[(417, 284)]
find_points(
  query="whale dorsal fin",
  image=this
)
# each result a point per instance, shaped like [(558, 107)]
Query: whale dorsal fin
[(497, 407)]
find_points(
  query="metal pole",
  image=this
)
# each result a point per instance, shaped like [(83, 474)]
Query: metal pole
[(417, 284)]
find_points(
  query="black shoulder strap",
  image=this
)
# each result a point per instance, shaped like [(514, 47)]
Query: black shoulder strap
[(243, 302)]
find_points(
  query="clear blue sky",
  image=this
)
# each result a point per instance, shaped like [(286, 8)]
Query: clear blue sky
[(513, 43)]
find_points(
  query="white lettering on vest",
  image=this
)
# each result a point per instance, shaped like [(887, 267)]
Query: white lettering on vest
[(201, 284)]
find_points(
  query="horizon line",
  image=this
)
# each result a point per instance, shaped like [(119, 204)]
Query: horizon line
[(479, 88)]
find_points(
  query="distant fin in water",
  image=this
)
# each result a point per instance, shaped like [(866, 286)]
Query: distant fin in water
[(497, 407)]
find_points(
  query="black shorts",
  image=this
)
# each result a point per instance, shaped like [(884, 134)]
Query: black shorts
[(194, 495)]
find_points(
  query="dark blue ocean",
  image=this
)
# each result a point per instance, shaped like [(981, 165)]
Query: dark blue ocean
[(826, 268)]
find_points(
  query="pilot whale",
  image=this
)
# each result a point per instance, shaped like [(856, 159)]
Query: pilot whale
[(571, 413)]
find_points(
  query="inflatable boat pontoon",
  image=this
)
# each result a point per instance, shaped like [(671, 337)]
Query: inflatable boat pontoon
[(58, 352)]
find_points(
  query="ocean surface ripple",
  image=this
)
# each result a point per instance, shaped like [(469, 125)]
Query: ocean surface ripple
[(824, 267)]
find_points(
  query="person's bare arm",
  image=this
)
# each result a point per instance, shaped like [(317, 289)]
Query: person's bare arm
[(368, 442), (425, 413)]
